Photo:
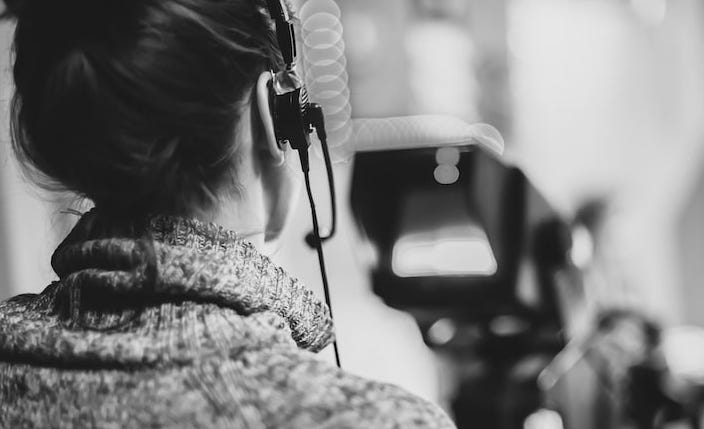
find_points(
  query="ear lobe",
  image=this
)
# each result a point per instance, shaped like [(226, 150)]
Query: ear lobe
[(266, 118)]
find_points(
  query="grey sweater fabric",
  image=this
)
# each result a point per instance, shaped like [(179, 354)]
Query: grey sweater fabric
[(180, 324)]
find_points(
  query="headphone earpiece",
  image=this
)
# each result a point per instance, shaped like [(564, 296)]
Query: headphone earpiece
[(291, 105), (290, 110), (293, 115)]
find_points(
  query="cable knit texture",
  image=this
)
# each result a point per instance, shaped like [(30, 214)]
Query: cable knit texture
[(180, 324)]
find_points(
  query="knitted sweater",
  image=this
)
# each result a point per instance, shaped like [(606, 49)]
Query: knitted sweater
[(180, 324)]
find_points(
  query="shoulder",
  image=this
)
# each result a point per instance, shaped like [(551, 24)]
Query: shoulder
[(380, 405), (26, 312), (22, 309), (295, 390), (30, 302)]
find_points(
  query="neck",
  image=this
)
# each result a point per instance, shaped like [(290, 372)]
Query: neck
[(242, 214), (242, 208)]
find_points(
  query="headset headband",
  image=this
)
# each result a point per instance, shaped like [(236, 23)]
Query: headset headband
[(284, 31)]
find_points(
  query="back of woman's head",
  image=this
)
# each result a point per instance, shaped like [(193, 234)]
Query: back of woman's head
[(134, 103)]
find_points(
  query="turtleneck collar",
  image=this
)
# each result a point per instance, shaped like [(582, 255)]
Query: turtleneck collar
[(169, 258)]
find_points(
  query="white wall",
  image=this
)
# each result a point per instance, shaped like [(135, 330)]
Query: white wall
[(26, 222), (609, 104)]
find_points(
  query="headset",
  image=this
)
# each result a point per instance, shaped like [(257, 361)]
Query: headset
[(295, 117)]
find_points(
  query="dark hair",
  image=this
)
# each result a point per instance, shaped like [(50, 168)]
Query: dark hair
[(134, 103)]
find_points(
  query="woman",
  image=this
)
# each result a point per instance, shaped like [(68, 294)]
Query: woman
[(165, 313)]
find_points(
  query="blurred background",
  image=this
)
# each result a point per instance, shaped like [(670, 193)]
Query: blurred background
[(556, 286)]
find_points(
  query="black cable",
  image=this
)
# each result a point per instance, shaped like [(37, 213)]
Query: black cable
[(318, 245), (322, 136), (317, 119)]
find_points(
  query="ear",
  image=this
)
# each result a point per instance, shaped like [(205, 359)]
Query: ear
[(267, 123)]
